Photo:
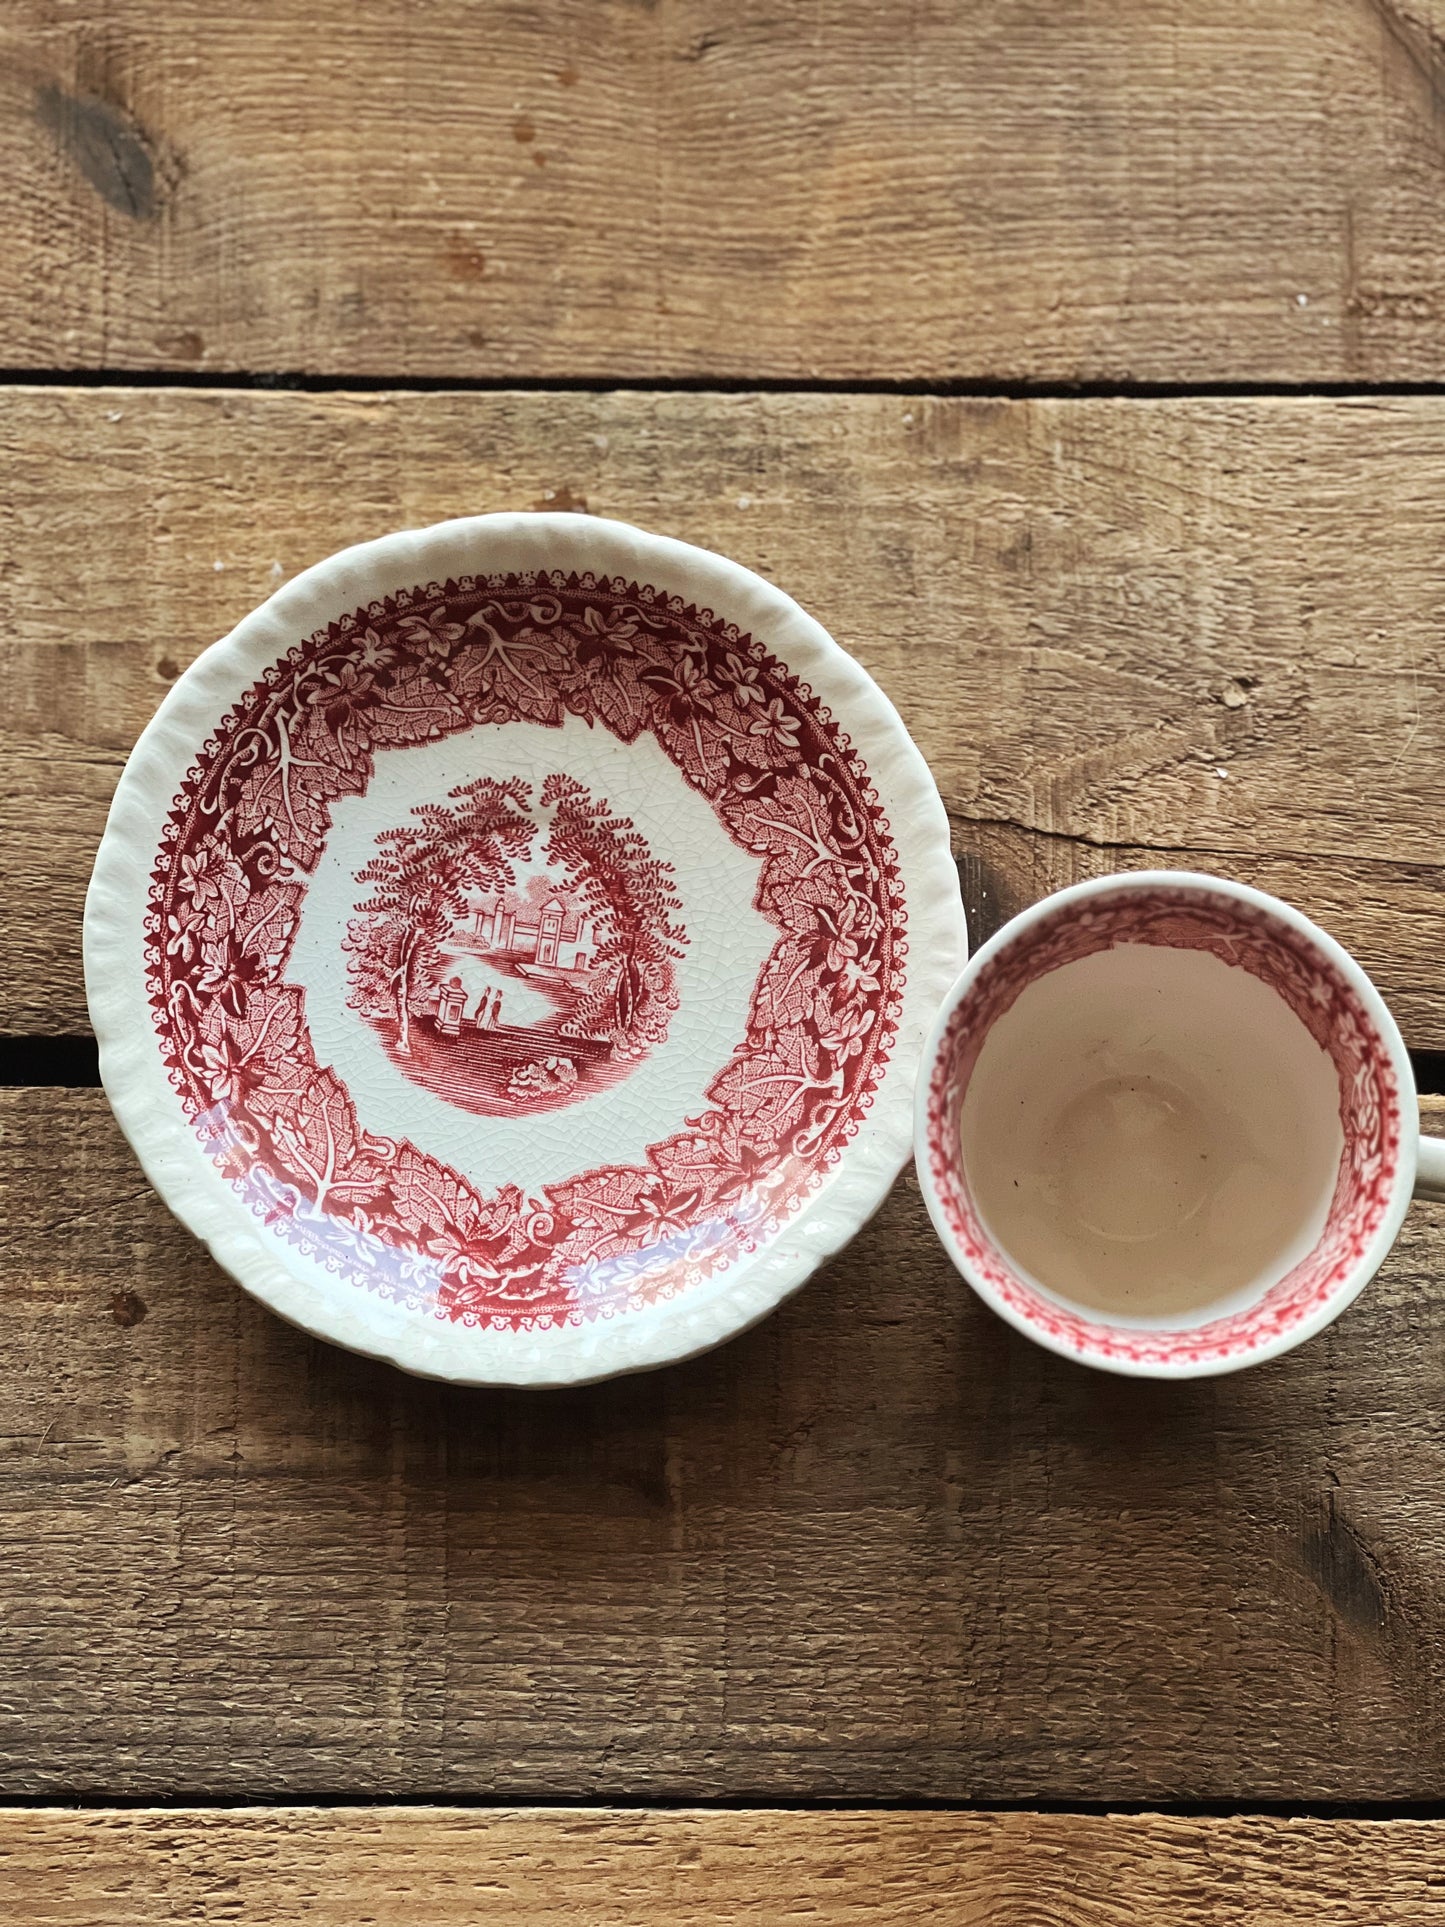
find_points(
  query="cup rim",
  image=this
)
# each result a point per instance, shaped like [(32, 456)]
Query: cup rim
[(1387, 1033)]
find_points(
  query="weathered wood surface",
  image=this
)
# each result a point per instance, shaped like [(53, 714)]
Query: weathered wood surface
[(444, 1867), (1185, 633), (880, 1548), (1114, 189)]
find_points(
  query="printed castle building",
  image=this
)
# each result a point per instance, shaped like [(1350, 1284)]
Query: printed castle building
[(556, 939)]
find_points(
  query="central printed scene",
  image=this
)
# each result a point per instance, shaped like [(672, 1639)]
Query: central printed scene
[(513, 948)]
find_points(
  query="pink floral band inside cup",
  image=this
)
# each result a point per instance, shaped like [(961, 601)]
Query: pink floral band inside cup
[(1328, 993)]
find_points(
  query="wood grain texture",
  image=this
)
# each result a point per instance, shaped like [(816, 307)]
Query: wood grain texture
[(880, 1548), (1113, 189), (440, 1867), (1123, 633)]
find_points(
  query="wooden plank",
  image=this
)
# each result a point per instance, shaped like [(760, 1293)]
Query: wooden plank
[(439, 1866), (880, 1548), (1123, 633), (1103, 191)]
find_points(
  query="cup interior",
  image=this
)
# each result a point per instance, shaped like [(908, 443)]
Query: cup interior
[(1163, 1126)]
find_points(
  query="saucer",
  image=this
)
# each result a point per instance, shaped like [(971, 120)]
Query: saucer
[(511, 948)]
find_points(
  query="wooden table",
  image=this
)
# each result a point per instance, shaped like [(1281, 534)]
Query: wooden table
[(1082, 367)]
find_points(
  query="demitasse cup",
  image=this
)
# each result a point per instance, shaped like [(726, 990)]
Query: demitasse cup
[(1166, 1126)]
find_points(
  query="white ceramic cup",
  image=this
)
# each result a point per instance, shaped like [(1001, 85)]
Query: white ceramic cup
[(1299, 1066)]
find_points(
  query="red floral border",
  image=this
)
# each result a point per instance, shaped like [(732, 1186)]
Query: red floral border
[(1270, 949), (249, 826)]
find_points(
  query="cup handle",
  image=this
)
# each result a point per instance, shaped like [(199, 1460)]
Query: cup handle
[(1430, 1169)]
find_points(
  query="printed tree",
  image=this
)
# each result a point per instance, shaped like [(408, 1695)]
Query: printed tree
[(489, 831), (419, 880), (628, 895)]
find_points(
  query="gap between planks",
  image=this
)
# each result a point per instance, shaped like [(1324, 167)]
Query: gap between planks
[(297, 381), (73, 1063)]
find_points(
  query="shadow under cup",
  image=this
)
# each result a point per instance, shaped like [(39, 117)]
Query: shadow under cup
[(1163, 1126)]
